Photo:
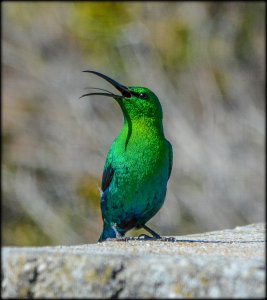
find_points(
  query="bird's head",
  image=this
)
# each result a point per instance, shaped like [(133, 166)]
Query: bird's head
[(136, 102)]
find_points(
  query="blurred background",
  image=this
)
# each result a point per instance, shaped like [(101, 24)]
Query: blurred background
[(206, 63)]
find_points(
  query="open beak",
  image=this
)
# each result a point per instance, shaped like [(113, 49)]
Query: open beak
[(123, 89)]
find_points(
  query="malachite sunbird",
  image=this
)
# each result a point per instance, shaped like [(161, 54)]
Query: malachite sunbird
[(138, 163)]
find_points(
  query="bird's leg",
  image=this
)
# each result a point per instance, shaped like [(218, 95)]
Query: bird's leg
[(154, 234)]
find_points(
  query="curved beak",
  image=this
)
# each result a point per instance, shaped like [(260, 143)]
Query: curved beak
[(123, 89)]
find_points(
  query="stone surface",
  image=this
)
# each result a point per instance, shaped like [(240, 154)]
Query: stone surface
[(226, 263)]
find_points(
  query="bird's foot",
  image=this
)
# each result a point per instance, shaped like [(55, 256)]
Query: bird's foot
[(156, 238), (122, 239), (142, 237), (168, 239)]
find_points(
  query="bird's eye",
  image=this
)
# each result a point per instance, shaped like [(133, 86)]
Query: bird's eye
[(143, 96)]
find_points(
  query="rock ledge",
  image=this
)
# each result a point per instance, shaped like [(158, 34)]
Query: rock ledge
[(227, 263)]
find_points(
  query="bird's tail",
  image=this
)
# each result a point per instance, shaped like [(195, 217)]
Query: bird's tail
[(109, 232)]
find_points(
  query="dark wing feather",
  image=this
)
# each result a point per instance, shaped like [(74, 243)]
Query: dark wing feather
[(107, 177), (170, 158), (106, 180)]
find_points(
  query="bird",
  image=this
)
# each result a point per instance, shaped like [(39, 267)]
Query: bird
[(138, 164)]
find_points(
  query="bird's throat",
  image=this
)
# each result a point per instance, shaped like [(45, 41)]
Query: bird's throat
[(141, 129)]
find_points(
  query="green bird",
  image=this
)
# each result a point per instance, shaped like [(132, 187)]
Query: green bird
[(138, 163)]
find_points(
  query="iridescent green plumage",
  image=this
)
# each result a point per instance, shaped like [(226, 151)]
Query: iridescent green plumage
[(138, 163)]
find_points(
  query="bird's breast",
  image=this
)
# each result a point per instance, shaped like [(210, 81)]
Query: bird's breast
[(141, 158)]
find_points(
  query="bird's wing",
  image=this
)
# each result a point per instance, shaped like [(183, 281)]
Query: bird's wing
[(170, 158), (107, 177), (106, 180)]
